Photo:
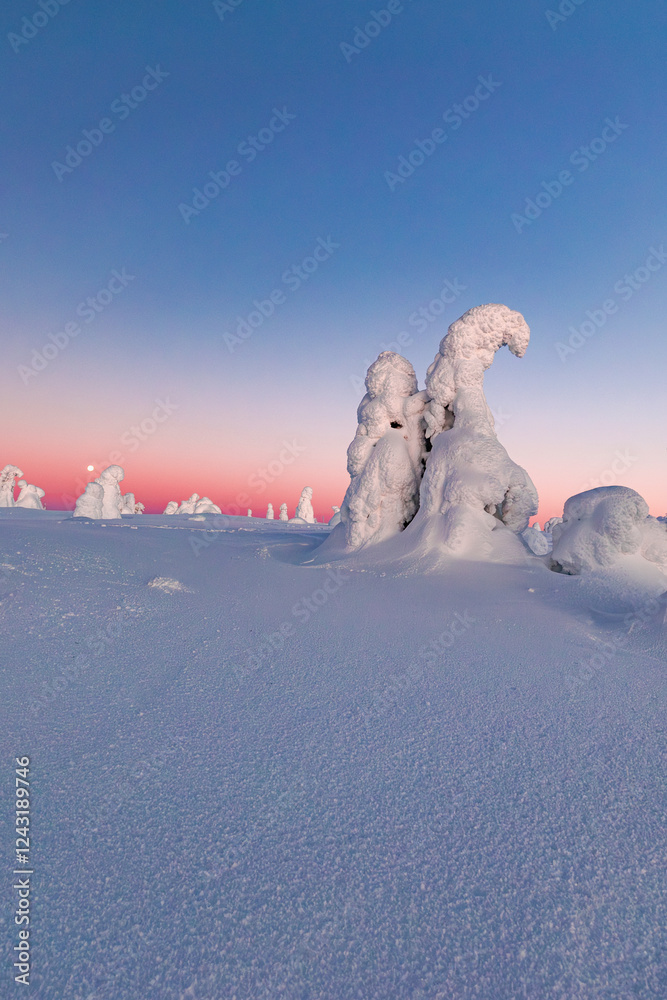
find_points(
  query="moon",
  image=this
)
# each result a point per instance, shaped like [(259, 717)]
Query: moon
[(91, 468)]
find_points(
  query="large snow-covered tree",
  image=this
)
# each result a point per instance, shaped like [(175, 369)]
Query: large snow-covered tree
[(304, 508), (89, 504), (471, 484), (386, 457)]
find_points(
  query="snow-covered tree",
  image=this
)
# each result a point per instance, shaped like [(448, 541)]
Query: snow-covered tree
[(333, 521), (386, 458), (249, 512), (601, 526), (139, 508), (283, 515), (7, 477), (112, 501), (470, 483), (128, 503), (206, 506), (304, 508), (171, 508), (30, 496), (89, 503), (551, 524), (188, 506), (269, 513)]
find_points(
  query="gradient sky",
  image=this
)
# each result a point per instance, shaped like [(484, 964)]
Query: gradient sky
[(598, 416)]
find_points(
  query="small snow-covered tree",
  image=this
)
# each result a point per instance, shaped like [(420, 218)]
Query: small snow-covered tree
[(89, 503), (386, 458), (551, 524), (282, 514), (333, 521), (30, 496), (206, 506), (269, 513), (249, 512), (7, 477), (304, 508), (139, 508), (171, 508), (112, 501), (128, 503), (470, 483), (188, 506)]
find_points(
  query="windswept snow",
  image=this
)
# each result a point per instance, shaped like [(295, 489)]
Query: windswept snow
[(316, 782)]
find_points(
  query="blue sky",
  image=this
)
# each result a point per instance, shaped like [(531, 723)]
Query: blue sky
[(220, 75)]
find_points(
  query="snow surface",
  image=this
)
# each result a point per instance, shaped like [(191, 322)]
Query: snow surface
[(303, 781)]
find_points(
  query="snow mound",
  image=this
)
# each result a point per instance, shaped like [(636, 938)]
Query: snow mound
[(168, 585), (536, 541), (603, 525)]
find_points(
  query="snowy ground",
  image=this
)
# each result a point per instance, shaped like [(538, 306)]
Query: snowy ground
[(262, 779)]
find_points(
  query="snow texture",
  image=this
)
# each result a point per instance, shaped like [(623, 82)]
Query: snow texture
[(471, 486), (112, 502), (89, 503), (282, 514), (7, 477), (551, 524), (269, 513), (442, 787), (386, 457), (603, 525), (30, 496), (172, 507), (304, 508)]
